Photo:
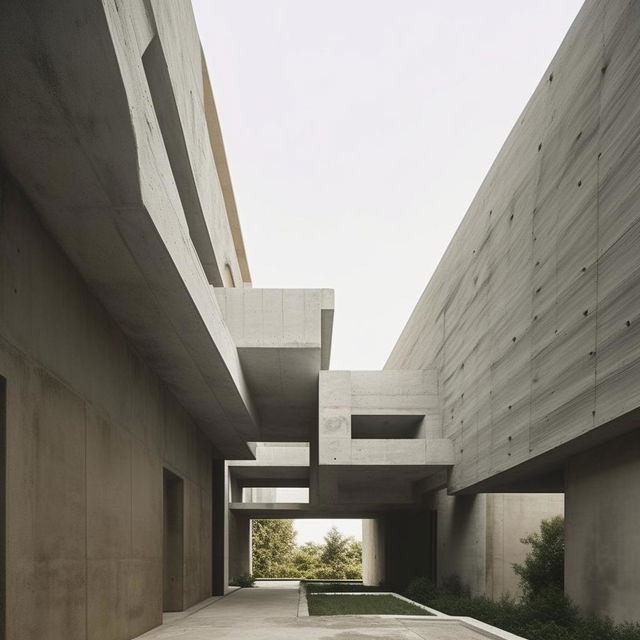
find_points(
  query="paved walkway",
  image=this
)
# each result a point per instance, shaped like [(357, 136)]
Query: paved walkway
[(270, 612)]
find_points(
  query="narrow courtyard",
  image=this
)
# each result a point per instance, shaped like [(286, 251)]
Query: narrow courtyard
[(273, 611)]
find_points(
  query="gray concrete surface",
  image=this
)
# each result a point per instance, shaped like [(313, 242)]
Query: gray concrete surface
[(478, 537), (531, 317), (520, 362), (270, 611), (378, 432), (602, 565), (283, 337), (99, 175), (89, 429)]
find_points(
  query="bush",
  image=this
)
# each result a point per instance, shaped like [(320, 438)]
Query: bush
[(421, 590), (543, 567), (547, 615), (454, 586), (245, 580)]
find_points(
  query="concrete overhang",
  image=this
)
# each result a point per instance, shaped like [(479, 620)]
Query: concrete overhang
[(373, 485), (276, 465), (387, 418), (283, 337), (84, 144), (298, 510), (379, 436)]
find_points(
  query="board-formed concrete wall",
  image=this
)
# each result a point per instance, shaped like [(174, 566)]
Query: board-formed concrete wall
[(602, 529), (479, 537), (533, 314), (89, 430)]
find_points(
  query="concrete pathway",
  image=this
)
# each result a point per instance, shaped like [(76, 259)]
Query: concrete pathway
[(270, 612)]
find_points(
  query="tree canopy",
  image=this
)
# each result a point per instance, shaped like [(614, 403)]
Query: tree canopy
[(273, 543), (276, 554)]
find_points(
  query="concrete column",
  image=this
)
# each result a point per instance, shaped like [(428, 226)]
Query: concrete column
[(220, 528), (397, 547), (235, 490), (602, 529), (373, 552), (239, 545), (461, 539)]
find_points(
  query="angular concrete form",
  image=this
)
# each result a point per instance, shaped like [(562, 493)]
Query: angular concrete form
[(283, 337), (152, 401)]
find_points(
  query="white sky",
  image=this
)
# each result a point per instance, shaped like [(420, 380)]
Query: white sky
[(357, 133)]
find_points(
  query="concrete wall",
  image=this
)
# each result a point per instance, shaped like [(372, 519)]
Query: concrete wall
[(479, 537), (533, 315), (391, 394), (602, 529), (239, 545), (85, 144), (397, 547), (511, 517), (178, 36), (89, 429)]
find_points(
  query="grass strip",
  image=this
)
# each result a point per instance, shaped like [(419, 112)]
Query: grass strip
[(349, 604)]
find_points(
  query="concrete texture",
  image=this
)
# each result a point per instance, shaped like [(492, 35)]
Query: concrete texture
[(398, 413), (90, 428), (383, 404), (283, 337), (275, 465), (270, 611), (602, 568), (132, 349), (373, 548), (86, 146), (239, 545), (531, 317), (478, 537)]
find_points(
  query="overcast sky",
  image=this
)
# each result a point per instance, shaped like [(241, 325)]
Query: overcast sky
[(357, 133)]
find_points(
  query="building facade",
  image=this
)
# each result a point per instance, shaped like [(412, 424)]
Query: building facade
[(151, 399)]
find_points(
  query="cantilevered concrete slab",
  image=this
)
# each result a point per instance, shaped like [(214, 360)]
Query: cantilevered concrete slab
[(275, 465), (288, 510), (283, 338), (130, 192), (379, 433)]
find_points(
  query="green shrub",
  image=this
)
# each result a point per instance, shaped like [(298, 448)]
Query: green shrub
[(454, 586), (421, 590), (543, 567), (245, 580), (548, 615)]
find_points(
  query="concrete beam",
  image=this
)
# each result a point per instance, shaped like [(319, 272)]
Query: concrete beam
[(283, 338), (84, 143)]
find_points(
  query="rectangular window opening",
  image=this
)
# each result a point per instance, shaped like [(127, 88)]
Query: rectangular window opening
[(387, 427)]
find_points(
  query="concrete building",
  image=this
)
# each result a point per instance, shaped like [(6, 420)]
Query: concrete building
[(151, 399)]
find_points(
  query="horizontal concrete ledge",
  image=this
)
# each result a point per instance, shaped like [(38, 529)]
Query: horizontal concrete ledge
[(544, 473), (275, 455), (298, 510)]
